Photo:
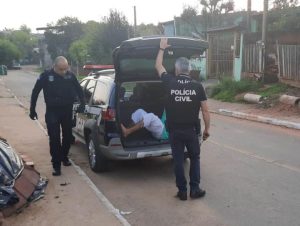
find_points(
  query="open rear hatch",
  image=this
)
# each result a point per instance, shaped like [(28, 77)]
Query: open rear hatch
[(146, 95), (137, 82), (134, 59)]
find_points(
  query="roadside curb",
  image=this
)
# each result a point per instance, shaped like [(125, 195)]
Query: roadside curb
[(257, 118), (110, 210)]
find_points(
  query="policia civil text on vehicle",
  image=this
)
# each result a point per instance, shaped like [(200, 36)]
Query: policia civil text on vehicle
[(60, 88), (185, 97)]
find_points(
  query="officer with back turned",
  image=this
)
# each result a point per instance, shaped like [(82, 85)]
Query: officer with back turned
[(60, 88), (185, 97)]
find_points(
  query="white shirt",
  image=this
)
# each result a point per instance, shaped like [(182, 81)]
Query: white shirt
[(151, 122)]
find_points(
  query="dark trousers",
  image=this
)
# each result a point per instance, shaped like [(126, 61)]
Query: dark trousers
[(179, 139), (59, 119)]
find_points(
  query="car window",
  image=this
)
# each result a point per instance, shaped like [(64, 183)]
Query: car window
[(112, 100), (126, 91), (83, 83), (89, 90), (141, 92), (101, 94)]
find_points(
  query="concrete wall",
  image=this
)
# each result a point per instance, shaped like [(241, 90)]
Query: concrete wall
[(169, 29), (238, 61), (203, 73)]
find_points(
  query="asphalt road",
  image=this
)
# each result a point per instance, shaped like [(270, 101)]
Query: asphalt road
[(251, 172)]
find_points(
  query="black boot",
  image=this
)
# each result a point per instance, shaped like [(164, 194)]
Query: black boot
[(56, 172), (182, 195), (197, 194), (66, 162), (56, 169)]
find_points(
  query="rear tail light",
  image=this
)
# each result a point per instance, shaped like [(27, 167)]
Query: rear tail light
[(109, 114)]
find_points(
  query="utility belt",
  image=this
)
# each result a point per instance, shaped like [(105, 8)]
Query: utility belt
[(59, 107), (178, 126), (59, 102)]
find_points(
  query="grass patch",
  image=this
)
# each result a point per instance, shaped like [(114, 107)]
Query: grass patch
[(39, 70), (80, 77), (228, 89), (273, 89)]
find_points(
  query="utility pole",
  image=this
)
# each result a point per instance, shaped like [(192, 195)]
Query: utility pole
[(264, 36), (249, 16), (134, 26), (265, 18)]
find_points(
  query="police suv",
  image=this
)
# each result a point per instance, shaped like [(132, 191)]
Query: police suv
[(113, 95)]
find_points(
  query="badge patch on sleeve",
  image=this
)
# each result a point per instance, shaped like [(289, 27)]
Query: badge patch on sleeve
[(51, 78)]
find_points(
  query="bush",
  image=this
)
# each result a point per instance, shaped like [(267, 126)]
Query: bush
[(273, 90), (228, 89)]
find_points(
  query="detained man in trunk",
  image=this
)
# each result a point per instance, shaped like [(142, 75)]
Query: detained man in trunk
[(150, 121)]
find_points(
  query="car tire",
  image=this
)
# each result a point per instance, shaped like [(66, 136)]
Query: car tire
[(98, 162)]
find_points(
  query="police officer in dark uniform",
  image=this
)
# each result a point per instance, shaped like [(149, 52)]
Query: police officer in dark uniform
[(60, 88), (185, 97)]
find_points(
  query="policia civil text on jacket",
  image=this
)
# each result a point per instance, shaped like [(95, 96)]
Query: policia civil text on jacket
[(185, 98), (60, 88)]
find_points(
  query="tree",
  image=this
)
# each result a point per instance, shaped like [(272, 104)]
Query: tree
[(112, 31), (25, 29), (117, 28), (96, 39), (217, 6), (284, 20), (8, 52), (90, 30), (78, 53), (60, 36), (283, 4), (71, 29), (100, 48), (189, 15), (211, 8), (147, 29), (24, 41)]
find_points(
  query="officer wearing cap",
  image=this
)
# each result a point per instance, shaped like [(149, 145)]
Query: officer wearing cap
[(60, 88), (185, 97)]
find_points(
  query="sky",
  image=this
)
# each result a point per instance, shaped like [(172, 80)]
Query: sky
[(37, 13)]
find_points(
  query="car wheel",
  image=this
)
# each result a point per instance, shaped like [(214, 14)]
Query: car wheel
[(98, 162)]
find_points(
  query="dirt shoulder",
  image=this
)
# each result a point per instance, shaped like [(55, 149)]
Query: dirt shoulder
[(69, 200), (270, 106), (278, 111)]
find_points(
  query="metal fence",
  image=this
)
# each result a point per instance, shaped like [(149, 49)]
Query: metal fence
[(252, 62), (220, 54), (289, 62)]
